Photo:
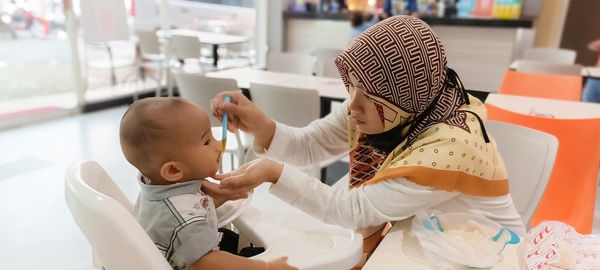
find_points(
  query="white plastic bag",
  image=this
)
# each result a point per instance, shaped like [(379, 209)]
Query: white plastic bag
[(454, 240), (555, 245)]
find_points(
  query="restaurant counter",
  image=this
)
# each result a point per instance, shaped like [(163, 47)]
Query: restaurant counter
[(480, 50)]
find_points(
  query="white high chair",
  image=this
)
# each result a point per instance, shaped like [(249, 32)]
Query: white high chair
[(286, 231), (103, 214)]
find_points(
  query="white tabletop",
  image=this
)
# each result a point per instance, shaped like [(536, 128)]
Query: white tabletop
[(592, 72), (557, 108), (205, 37), (401, 250), (588, 71), (327, 87)]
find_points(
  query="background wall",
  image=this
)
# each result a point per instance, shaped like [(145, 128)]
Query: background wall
[(581, 27)]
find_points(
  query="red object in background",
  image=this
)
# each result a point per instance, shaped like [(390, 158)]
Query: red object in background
[(483, 8), (46, 25), (132, 10)]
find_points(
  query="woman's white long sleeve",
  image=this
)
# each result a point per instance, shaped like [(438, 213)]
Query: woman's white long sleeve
[(321, 140), (369, 205), (365, 206)]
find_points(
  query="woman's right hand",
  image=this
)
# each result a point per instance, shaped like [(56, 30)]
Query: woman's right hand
[(242, 114), (280, 263)]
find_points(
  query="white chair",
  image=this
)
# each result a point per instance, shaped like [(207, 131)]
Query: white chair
[(200, 90), (151, 56), (291, 106), (240, 50), (185, 48), (325, 66), (103, 214), (535, 66), (559, 56), (291, 63), (528, 155), (524, 39)]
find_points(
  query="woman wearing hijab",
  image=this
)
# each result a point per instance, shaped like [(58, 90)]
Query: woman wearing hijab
[(416, 139)]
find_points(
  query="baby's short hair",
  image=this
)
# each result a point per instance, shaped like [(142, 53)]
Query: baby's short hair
[(145, 126)]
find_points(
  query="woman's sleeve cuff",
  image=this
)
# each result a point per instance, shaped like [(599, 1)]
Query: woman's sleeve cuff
[(277, 148), (289, 186)]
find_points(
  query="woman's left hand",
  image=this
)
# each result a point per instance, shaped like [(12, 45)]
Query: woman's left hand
[(247, 177)]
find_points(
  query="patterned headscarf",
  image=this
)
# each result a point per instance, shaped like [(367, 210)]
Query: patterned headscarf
[(401, 64)]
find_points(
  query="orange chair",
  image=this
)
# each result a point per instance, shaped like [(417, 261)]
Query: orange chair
[(571, 191), (542, 85)]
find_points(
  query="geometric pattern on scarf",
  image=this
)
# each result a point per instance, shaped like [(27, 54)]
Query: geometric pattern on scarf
[(401, 64), (443, 157), (365, 162)]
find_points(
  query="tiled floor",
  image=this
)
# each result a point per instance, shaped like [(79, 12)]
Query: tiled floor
[(36, 228)]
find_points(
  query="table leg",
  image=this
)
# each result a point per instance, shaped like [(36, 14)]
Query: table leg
[(113, 77), (215, 48)]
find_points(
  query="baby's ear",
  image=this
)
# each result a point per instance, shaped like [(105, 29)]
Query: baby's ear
[(171, 171)]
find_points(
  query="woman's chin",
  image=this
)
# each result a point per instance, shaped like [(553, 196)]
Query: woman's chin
[(367, 130)]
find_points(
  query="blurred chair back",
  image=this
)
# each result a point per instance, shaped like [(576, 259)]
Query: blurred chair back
[(541, 85), (291, 106), (103, 214), (152, 57), (185, 47), (543, 67), (200, 89), (523, 40), (325, 66), (559, 56), (149, 43), (291, 63), (529, 156), (570, 195), (240, 50)]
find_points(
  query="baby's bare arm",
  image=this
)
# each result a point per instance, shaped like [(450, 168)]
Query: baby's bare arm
[(225, 260)]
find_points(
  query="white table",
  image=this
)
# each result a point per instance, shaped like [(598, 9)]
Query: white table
[(557, 108), (330, 89), (214, 39), (588, 71), (401, 250), (592, 72)]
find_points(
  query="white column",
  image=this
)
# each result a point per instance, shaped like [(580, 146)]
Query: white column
[(165, 24), (275, 26), (268, 29), (260, 32), (163, 12), (72, 32)]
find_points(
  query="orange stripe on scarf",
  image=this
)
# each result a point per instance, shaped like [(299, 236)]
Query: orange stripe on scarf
[(445, 180)]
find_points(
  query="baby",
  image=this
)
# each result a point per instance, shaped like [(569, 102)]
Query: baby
[(169, 140)]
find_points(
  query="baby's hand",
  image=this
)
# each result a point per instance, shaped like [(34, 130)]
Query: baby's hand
[(280, 263), (219, 198)]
